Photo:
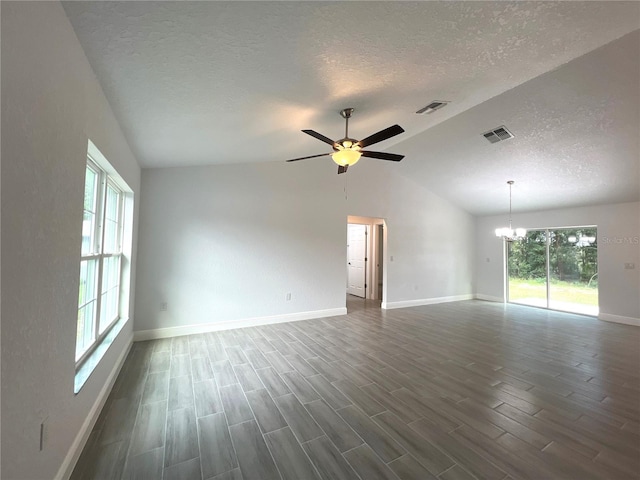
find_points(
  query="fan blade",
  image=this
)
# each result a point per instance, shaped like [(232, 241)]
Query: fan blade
[(381, 135), (382, 155), (320, 137), (311, 156), (342, 169)]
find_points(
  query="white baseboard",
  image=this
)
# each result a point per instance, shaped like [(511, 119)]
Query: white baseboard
[(425, 301), (69, 463), (488, 298), (228, 325), (607, 317)]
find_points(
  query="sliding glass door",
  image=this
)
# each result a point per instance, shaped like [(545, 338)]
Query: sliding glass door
[(528, 269), (555, 268), (573, 270)]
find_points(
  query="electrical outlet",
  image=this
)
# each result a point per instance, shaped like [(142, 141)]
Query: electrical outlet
[(391, 258), (164, 306), (288, 297), (629, 266), (488, 259)]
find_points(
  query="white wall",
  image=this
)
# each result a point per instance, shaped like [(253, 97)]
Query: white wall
[(51, 105), (618, 243), (227, 243), (427, 236)]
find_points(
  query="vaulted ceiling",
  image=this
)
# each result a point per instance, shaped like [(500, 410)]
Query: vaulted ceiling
[(202, 83)]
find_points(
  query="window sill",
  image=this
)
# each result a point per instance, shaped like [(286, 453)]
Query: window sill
[(91, 362)]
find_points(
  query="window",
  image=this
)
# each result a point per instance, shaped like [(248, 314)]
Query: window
[(101, 263)]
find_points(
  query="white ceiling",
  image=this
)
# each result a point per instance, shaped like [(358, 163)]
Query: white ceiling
[(198, 83), (576, 140)]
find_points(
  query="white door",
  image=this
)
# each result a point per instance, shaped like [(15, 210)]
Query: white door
[(356, 257)]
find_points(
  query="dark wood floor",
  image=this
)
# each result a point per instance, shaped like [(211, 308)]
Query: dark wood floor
[(452, 391)]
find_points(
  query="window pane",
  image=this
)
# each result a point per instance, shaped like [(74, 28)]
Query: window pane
[(114, 279), (104, 321), (115, 301), (110, 291), (90, 207), (527, 269), (108, 308), (90, 188), (112, 203), (573, 270), (110, 273), (88, 233), (84, 334), (88, 282), (111, 237), (112, 227)]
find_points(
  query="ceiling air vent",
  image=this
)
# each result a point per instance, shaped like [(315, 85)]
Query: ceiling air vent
[(499, 134), (432, 107)]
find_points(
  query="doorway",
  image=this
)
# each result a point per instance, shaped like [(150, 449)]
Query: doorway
[(357, 259), (555, 269), (365, 261)]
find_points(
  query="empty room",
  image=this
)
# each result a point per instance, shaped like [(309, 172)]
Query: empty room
[(320, 240)]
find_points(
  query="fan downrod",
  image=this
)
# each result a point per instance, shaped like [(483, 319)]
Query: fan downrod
[(346, 114)]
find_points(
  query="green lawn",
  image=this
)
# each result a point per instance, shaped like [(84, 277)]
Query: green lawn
[(560, 291)]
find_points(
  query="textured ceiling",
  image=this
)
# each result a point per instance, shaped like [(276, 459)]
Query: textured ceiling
[(197, 83), (576, 139)]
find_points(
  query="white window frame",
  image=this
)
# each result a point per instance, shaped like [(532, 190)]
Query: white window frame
[(97, 253)]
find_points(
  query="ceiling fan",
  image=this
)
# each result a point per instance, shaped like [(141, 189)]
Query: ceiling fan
[(348, 151)]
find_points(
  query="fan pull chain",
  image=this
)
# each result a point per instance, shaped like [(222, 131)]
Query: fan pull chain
[(346, 185)]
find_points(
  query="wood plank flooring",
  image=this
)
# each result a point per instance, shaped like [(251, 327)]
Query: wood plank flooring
[(451, 391)]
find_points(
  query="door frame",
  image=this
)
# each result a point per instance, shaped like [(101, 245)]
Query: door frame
[(357, 230), (374, 244)]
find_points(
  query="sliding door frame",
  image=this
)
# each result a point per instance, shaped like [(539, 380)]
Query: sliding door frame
[(547, 239)]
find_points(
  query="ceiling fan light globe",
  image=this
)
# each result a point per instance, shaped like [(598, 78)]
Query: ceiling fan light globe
[(346, 157)]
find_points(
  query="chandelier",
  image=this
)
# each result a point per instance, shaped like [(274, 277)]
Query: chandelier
[(508, 233)]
